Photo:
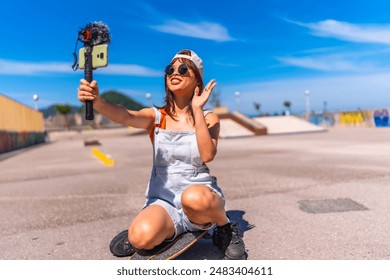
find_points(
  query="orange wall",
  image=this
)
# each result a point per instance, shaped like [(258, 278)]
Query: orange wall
[(15, 116)]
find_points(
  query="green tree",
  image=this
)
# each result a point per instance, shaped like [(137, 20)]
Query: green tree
[(64, 110), (287, 104)]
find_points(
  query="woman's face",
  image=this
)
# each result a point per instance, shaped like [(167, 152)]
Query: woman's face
[(178, 83)]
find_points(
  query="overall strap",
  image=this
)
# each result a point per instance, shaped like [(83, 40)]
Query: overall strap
[(157, 123), (157, 119), (206, 112), (155, 129)]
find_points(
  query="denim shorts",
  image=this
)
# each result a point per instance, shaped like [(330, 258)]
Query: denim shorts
[(180, 220)]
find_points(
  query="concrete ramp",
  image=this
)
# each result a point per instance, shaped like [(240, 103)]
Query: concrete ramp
[(230, 129), (238, 125), (287, 124)]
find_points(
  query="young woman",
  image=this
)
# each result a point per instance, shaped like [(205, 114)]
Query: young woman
[(181, 195)]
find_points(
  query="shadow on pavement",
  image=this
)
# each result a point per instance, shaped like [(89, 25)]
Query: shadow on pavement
[(205, 249), (237, 216)]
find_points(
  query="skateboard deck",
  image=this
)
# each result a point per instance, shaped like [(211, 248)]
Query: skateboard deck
[(170, 250)]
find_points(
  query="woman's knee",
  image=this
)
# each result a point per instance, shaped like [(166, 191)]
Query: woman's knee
[(198, 197), (141, 234), (151, 227)]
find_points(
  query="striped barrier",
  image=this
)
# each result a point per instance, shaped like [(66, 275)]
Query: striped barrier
[(106, 159)]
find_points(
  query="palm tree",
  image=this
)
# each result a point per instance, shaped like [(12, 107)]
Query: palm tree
[(257, 107), (287, 104), (64, 110)]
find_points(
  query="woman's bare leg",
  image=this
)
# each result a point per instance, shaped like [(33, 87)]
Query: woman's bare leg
[(151, 227), (202, 205)]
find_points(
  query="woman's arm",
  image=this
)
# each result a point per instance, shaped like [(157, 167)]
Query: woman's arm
[(207, 133), (207, 128), (119, 114)]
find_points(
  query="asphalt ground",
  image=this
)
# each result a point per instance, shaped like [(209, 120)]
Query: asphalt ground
[(301, 196)]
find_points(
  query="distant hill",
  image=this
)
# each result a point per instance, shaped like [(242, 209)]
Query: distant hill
[(122, 99), (110, 96)]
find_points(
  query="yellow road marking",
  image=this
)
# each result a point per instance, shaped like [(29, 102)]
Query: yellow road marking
[(106, 159)]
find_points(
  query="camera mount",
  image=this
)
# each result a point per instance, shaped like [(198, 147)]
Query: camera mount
[(93, 34)]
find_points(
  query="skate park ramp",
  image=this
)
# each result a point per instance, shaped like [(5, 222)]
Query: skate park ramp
[(287, 124), (230, 128), (236, 124)]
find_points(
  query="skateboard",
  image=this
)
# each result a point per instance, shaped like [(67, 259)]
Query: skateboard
[(170, 250)]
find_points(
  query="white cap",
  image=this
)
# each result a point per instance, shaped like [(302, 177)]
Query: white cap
[(194, 58)]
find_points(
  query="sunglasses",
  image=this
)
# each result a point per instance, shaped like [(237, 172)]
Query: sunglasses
[(182, 69)]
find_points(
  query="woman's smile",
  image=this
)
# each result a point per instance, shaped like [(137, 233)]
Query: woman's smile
[(175, 81)]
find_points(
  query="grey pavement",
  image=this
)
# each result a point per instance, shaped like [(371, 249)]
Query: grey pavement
[(300, 196)]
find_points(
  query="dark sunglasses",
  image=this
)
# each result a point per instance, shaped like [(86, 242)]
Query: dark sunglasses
[(182, 69)]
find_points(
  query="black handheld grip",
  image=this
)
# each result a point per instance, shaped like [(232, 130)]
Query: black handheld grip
[(89, 78)]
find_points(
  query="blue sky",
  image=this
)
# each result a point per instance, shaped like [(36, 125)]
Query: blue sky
[(270, 51)]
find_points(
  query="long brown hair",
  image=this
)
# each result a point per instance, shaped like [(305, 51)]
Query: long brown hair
[(169, 104)]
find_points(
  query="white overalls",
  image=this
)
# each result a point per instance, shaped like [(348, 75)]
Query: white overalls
[(176, 165)]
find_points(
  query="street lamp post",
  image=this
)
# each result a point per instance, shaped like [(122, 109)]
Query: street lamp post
[(35, 97), (307, 95), (148, 96)]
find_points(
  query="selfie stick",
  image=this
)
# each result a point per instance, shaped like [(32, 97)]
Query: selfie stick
[(88, 76), (91, 35)]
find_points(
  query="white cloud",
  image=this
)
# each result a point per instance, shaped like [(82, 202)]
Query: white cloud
[(336, 62), (367, 57), (379, 34), (324, 63), (202, 30), (12, 67)]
